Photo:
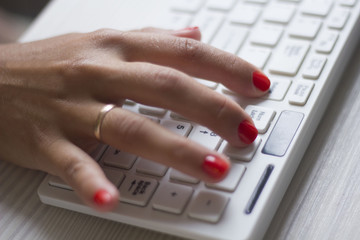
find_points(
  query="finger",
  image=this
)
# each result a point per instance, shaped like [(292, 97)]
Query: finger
[(188, 32), (176, 91), (196, 59), (136, 134), (83, 174)]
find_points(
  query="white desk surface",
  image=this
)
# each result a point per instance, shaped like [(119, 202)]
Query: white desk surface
[(322, 201)]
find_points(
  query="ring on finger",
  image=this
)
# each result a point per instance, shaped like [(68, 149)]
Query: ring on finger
[(97, 130)]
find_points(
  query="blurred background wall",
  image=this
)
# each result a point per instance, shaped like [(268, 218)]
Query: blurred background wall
[(16, 16)]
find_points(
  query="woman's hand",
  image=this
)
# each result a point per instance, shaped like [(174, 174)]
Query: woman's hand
[(53, 90)]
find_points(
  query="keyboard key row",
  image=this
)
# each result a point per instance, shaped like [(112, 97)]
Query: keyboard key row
[(168, 197)]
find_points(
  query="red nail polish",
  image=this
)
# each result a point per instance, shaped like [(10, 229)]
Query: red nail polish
[(191, 28), (247, 132), (188, 29), (102, 197), (214, 166), (261, 81)]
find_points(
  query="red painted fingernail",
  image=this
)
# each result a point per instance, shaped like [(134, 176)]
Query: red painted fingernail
[(261, 81), (215, 166), (191, 28), (102, 197), (188, 29), (247, 132)]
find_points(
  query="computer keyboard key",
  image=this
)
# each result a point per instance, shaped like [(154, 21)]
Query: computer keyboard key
[(289, 57), (258, 56), (178, 116), (114, 176), (232, 180), (137, 190), (245, 154), (205, 137), (261, 116), (150, 167), (172, 198), (129, 102), (191, 6), (326, 41), (257, 1), (305, 27), (208, 206), (279, 13), (267, 35), (208, 22), (117, 158), (313, 66), (98, 152), (278, 89), (176, 20), (283, 133), (300, 92), (246, 14), (347, 3), (207, 83), (230, 38), (338, 18), (182, 177), (149, 110), (319, 8), (223, 5), (180, 128)]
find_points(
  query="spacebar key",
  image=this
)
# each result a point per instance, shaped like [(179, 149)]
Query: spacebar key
[(283, 133)]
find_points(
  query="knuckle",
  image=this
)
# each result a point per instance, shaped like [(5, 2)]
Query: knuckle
[(76, 67), (166, 80), (72, 168), (233, 63), (131, 129), (222, 107), (189, 48), (122, 42), (104, 35)]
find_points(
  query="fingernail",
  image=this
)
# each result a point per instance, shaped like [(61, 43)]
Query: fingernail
[(247, 132), (102, 197), (187, 29), (261, 81), (215, 166)]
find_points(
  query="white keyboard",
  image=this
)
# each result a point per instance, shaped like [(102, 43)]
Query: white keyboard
[(302, 45)]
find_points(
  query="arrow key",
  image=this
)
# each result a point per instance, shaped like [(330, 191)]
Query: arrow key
[(137, 190)]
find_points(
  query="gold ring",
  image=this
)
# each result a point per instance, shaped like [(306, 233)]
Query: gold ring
[(97, 130)]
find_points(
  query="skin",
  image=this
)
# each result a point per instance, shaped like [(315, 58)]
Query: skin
[(52, 91)]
